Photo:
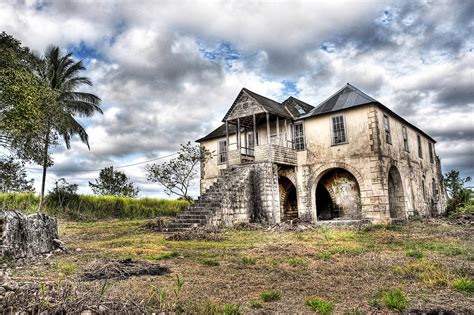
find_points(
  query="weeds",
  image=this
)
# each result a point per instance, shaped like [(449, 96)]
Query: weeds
[(255, 304), (231, 309), (66, 267), (296, 261), (321, 306), (395, 299), (211, 262), (463, 285), (430, 274), (414, 254), (166, 255), (247, 260), (270, 296)]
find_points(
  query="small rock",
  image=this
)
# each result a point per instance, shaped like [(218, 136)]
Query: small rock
[(102, 308), (86, 312), (10, 286), (78, 249), (9, 295)]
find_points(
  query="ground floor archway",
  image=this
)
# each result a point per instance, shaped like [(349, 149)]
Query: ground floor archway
[(338, 196), (396, 197), (288, 199)]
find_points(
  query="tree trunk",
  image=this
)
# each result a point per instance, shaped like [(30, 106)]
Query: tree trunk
[(45, 166)]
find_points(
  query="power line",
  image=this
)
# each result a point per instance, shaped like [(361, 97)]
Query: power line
[(97, 170)]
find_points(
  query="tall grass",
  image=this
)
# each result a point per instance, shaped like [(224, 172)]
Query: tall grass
[(95, 207)]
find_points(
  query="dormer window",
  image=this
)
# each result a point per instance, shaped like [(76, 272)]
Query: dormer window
[(300, 109)]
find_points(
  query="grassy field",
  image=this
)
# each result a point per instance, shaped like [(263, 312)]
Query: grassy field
[(417, 266)]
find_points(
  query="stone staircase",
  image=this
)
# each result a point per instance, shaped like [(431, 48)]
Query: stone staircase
[(229, 185)]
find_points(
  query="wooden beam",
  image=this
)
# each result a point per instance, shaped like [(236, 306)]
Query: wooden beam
[(268, 127), (278, 131), (254, 131), (227, 144), (238, 134), (286, 134)]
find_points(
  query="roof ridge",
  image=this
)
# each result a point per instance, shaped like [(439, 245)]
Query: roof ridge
[(252, 92), (360, 92)]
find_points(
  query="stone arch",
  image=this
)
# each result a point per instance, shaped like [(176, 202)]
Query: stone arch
[(288, 199), (396, 195), (322, 171)]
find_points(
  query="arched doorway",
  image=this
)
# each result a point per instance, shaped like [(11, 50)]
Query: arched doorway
[(338, 196), (288, 201), (396, 198)]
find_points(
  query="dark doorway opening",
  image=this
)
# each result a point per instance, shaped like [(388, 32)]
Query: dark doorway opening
[(288, 199)]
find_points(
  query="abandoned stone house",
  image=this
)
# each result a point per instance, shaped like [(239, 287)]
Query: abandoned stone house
[(349, 158)]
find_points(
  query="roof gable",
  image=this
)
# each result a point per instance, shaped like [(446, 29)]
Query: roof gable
[(248, 103), (243, 105)]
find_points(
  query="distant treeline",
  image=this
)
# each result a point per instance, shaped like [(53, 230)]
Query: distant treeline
[(85, 207)]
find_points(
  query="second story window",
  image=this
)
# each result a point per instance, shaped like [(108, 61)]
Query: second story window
[(222, 152), (405, 138), (386, 127), (430, 147), (338, 130), (298, 135), (420, 151)]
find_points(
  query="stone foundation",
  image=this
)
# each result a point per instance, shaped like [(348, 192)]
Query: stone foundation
[(26, 236)]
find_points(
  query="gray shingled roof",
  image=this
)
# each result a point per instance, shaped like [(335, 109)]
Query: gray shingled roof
[(219, 132), (347, 97), (294, 105)]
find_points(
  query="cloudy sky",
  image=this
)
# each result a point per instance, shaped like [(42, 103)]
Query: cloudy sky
[(167, 71)]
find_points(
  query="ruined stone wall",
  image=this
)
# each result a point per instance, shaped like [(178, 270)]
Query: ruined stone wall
[(417, 173), (25, 236), (249, 195)]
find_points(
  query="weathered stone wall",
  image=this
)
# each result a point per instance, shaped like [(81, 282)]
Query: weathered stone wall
[(25, 236), (250, 196)]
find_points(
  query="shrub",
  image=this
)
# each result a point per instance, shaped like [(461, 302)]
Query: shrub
[(270, 296), (321, 306), (464, 285), (395, 299)]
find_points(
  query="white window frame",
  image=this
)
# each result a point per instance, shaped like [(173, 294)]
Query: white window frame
[(221, 155), (331, 122), (299, 145)]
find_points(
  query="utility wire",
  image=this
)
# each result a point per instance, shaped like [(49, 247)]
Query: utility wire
[(115, 167)]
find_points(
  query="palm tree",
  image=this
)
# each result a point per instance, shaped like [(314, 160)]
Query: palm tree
[(62, 74)]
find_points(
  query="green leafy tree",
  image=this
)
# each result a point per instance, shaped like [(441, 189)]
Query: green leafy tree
[(177, 174), (24, 99), (13, 176), (458, 194), (113, 183), (63, 76), (63, 194)]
